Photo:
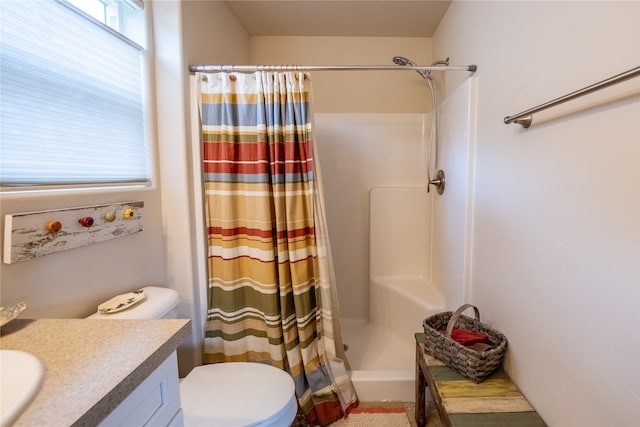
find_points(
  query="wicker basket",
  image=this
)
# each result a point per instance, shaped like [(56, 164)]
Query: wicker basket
[(472, 364)]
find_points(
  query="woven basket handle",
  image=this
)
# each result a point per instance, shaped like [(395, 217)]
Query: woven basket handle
[(454, 317)]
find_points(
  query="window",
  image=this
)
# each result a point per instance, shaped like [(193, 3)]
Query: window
[(71, 110)]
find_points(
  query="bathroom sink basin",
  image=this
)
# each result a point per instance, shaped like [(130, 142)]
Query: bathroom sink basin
[(21, 376)]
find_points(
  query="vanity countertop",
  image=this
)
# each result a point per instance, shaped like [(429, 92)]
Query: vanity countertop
[(91, 365)]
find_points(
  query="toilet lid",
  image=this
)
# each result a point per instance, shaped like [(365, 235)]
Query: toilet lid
[(238, 394)]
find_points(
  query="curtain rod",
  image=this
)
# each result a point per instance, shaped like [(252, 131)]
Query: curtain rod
[(252, 68)]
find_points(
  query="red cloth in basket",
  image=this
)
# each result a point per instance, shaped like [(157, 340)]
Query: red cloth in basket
[(466, 337)]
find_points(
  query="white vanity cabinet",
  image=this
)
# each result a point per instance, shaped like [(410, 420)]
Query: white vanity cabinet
[(155, 402)]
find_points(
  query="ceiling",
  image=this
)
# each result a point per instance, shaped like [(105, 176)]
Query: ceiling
[(339, 18)]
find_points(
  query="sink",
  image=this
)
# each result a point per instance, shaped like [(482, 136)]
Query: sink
[(21, 376)]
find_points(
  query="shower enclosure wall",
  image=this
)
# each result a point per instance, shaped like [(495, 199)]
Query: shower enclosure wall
[(400, 254), (401, 294), (380, 219)]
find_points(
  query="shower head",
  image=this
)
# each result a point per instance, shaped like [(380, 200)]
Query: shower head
[(403, 62)]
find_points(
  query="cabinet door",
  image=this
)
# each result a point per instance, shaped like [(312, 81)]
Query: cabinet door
[(155, 402)]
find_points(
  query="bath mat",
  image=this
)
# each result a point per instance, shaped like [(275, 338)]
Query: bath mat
[(374, 420), (376, 414)]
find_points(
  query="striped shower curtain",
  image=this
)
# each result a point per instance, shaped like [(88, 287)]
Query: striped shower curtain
[(271, 292)]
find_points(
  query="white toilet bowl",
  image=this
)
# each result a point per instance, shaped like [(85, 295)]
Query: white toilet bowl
[(223, 394), (243, 394)]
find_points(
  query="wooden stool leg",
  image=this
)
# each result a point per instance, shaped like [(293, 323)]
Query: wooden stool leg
[(421, 414)]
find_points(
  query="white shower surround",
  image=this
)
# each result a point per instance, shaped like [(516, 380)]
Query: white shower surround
[(386, 290), (401, 294), (358, 152)]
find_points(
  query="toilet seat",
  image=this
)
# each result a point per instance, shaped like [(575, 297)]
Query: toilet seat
[(238, 394)]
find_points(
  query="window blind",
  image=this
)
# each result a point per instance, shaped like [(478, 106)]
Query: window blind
[(71, 104)]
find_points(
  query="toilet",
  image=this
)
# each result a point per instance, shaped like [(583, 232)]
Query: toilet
[(229, 394)]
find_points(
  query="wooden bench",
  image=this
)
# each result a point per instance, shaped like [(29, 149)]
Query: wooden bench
[(495, 402)]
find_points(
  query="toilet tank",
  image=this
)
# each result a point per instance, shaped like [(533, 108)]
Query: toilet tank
[(159, 303)]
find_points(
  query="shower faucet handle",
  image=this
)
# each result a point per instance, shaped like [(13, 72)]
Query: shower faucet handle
[(438, 182)]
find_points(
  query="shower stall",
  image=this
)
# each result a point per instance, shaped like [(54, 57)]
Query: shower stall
[(380, 221), (401, 254)]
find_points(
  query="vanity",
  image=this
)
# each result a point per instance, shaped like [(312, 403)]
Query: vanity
[(101, 372)]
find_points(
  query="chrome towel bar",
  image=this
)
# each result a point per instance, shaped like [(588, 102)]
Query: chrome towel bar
[(525, 118)]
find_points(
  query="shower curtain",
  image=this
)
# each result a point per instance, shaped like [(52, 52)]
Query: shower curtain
[(271, 291)]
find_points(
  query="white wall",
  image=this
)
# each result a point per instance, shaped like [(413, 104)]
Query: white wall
[(353, 91), (212, 34), (451, 230), (556, 207), (187, 32)]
